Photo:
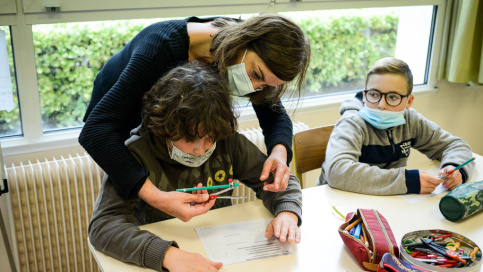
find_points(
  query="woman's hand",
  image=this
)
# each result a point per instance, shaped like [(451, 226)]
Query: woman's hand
[(277, 165), (284, 227), (453, 180), (176, 260), (180, 205)]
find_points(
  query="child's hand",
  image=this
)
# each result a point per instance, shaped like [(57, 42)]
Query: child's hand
[(453, 180), (284, 227), (176, 259), (428, 182), (177, 204), (200, 192)]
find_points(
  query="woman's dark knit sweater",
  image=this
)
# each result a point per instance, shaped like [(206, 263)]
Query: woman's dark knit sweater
[(116, 102)]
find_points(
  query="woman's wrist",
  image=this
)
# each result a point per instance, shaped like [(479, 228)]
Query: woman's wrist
[(280, 151)]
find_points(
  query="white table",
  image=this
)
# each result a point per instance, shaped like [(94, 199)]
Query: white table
[(321, 248)]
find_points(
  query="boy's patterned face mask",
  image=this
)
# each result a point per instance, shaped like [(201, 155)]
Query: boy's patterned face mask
[(188, 159)]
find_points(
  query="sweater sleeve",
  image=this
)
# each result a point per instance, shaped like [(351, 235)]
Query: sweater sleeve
[(113, 231), (101, 135), (276, 125), (247, 167), (438, 144), (342, 169)]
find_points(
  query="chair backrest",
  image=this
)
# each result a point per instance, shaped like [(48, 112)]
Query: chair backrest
[(309, 149)]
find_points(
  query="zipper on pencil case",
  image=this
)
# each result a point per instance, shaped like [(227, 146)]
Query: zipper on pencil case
[(370, 236), (360, 242), (388, 240)]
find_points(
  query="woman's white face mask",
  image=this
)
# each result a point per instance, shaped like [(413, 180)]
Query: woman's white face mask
[(238, 79)]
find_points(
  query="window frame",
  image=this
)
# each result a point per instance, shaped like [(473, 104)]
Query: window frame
[(8, 7), (35, 140)]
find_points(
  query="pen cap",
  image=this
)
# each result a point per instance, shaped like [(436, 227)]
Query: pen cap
[(463, 201)]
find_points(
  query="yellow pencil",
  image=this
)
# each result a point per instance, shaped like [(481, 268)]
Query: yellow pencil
[(353, 224)]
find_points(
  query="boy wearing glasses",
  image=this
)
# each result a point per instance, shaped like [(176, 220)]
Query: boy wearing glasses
[(370, 144)]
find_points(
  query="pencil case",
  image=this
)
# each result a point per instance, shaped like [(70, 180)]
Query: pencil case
[(463, 201), (377, 237)]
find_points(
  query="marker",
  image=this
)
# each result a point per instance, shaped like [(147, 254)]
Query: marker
[(457, 168), (357, 231), (208, 187)]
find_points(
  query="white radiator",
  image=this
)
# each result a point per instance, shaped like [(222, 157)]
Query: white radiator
[(51, 207)]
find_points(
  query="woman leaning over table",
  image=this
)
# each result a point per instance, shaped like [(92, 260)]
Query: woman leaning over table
[(258, 57)]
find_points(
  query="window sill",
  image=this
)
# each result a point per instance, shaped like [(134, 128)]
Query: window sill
[(68, 138), (51, 141)]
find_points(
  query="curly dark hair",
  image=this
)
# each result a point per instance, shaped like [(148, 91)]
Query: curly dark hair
[(189, 102)]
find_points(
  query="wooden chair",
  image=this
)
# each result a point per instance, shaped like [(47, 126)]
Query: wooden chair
[(309, 149)]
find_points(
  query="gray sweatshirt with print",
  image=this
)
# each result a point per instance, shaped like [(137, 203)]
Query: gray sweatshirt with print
[(363, 159)]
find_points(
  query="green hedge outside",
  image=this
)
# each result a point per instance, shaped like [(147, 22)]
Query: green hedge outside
[(68, 59), (343, 49)]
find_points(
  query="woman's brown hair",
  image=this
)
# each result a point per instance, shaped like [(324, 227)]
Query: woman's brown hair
[(189, 102), (279, 42)]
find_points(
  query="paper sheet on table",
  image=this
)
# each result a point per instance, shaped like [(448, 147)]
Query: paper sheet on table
[(413, 198), (241, 242)]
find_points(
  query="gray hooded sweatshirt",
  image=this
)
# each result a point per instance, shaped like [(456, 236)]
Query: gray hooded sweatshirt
[(361, 158)]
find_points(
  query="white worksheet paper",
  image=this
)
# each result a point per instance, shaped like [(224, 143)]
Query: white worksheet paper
[(241, 242), (413, 198)]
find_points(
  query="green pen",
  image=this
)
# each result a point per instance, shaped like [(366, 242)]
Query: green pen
[(208, 187), (465, 163)]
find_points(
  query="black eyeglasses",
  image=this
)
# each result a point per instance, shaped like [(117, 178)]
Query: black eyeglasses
[(392, 99)]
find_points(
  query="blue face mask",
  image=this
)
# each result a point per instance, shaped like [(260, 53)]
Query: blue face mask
[(238, 80), (382, 119)]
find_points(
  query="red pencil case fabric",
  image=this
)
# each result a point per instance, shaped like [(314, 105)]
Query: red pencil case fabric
[(379, 235)]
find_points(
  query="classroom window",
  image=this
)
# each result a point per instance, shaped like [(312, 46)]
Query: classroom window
[(10, 122), (345, 43)]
